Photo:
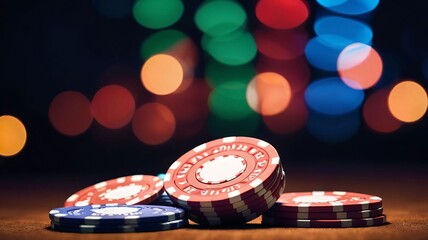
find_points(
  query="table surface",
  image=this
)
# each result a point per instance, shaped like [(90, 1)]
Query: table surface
[(26, 201)]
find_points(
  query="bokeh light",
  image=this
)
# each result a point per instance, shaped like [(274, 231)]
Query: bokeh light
[(331, 3), (70, 113), (351, 29), (331, 96), (282, 14), (228, 101), (246, 126), (153, 123), (291, 120), (156, 14), (350, 7), (359, 66), (296, 71), (113, 8), (322, 51), (161, 42), (172, 42), (13, 135), (162, 74), (333, 128), (218, 73), (236, 48), (113, 106), (408, 101), (232, 18), (268, 93), (281, 44), (190, 108), (376, 113)]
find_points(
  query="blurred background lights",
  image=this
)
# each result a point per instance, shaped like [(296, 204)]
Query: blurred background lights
[(376, 113), (70, 113), (281, 44), (291, 120), (268, 93), (209, 21), (331, 96), (218, 73), (351, 29), (296, 71), (190, 108), (408, 101), (161, 42), (245, 126), (13, 135), (282, 14), (113, 106), (359, 66), (228, 101), (236, 48), (156, 14), (350, 7), (162, 74), (153, 123), (322, 51), (334, 128), (331, 3), (113, 8)]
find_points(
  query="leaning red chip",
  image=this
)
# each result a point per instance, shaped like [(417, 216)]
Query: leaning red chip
[(222, 171), (127, 190), (323, 201)]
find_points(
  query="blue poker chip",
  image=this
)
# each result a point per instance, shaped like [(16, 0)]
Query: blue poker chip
[(146, 227), (115, 214), (161, 176)]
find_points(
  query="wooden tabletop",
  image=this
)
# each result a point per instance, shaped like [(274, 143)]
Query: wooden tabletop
[(26, 200)]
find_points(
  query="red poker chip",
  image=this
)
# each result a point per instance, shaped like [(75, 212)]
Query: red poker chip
[(242, 203), (338, 223), (238, 218), (221, 171), (250, 206), (127, 190), (370, 213), (324, 201)]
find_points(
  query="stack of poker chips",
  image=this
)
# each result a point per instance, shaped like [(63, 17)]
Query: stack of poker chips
[(115, 218), (226, 181), (335, 209), (163, 200)]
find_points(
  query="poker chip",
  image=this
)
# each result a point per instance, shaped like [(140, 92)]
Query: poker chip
[(323, 201), (325, 215), (337, 223), (146, 227), (163, 200), (242, 203), (129, 190), (247, 214), (114, 214), (319, 209), (233, 179)]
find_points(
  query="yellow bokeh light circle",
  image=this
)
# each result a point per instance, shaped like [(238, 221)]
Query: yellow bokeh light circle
[(12, 135), (408, 101), (162, 74)]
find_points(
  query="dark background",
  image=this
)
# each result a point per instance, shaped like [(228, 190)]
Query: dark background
[(51, 46)]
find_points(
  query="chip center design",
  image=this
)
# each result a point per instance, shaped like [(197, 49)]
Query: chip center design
[(221, 169), (123, 192), (315, 199), (115, 210)]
